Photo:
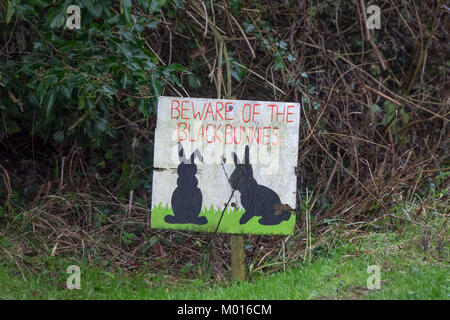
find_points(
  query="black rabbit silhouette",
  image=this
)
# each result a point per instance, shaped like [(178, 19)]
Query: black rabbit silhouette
[(186, 198), (257, 200)]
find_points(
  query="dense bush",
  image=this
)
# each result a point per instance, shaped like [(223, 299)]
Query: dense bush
[(85, 86), (64, 84)]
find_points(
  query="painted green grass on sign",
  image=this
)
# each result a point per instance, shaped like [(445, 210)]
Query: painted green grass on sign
[(229, 223)]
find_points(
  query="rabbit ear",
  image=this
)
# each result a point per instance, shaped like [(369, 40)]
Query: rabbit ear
[(235, 158), (198, 154), (247, 155), (181, 155)]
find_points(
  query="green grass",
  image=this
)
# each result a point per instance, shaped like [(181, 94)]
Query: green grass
[(407, 272), (229, 223)]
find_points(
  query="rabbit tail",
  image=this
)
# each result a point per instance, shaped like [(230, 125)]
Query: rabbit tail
[(285, 215)]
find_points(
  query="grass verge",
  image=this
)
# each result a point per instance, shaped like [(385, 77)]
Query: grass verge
[(407, 272)]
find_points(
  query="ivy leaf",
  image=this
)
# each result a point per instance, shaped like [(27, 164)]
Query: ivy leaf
[(92, 10), (237, 72), (282, 45), (66, 91), (55, 18), (157, 84), (39, 3), (49, 101), (152, 24), (389, 107), (404, 115), (126, 169), (107, 90), (388, 118), (126, 51), (248, 27), (376, 108), (81, 102), (194, 82), (156, 5), (145, 107), (89, 105), (126, 9), (101, 124), (278, 61), (10, 11), (12, 126), (59, 136), (177, 67), (125, 80)]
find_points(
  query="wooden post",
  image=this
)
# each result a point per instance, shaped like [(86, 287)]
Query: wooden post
[(237, 242), (237, 257)]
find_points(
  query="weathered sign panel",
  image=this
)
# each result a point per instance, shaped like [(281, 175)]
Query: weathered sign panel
[(206, 148)]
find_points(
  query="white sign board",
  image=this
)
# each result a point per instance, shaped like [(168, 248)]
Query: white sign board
[(206, 148)]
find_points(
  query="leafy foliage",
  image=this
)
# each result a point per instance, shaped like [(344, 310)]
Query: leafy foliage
[(69, 82)]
